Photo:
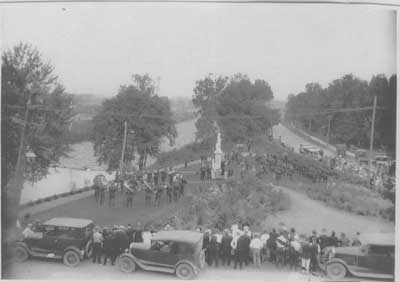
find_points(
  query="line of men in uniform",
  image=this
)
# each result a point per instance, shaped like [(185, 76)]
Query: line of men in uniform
[(153, 183)]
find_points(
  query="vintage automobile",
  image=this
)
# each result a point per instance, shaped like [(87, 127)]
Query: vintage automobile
[(383, 160), (373, 259), (175, 252), (63, 238)]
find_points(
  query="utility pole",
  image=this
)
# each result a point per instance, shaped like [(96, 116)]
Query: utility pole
[(309, 125), (15, 185), (371, 140), (121, 163), (329, 129)]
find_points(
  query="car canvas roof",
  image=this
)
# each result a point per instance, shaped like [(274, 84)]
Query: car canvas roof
[(382, 239), (179, 236), (68, 222)]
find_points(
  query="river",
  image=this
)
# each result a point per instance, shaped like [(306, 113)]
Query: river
[(71, 173)]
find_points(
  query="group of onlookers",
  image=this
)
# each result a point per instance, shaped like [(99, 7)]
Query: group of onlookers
[(109, 243), (283, 247)]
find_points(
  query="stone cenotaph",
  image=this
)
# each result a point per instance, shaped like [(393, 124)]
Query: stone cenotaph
[(218, 157)]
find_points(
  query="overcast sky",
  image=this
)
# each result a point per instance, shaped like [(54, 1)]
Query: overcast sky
[(95, 48)]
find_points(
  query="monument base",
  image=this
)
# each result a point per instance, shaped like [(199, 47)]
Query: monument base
[(216, 174)]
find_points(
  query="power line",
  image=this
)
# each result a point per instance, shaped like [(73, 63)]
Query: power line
[(339, 111), (47, 108), (163, 116)]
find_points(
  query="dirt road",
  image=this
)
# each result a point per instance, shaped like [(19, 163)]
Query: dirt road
[(295, 140), (45, 269), (306, 214)]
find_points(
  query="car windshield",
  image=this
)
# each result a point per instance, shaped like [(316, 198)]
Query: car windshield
[(382, 159)]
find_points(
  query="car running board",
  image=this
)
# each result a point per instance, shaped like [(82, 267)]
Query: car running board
[(365, 273), (43, 254), (146, 266)]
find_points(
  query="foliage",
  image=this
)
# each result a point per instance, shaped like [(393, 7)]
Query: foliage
[(80, 131), (187, 153), (236, 105), (345, 196), (348, 92), (24, 74), (248, 201), (145, 133)]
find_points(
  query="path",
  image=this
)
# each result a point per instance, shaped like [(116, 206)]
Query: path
[(54, 203), (294, 140), (306, 214), (46, 269)]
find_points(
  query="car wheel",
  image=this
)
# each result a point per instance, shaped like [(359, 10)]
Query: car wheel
[(336, 270), (20, 254), (126, 264), (71, 258), (185, 271)]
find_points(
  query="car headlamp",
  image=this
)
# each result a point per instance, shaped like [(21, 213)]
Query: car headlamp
[(332, 253)]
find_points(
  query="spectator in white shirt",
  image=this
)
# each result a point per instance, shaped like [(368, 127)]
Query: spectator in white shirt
[(255, 246), (264, 238)]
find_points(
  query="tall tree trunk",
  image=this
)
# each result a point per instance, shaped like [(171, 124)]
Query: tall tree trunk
[(141, 161)]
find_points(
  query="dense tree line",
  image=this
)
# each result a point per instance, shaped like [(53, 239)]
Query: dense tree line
[(27, 78), (236, 105), (315, 106), (149, 120)]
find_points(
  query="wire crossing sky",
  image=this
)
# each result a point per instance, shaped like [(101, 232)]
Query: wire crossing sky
[(96, 47)]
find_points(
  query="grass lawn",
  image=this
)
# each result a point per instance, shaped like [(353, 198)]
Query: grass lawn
[(120, 215)]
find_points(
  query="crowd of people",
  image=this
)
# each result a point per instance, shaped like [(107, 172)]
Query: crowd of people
[(236, 246), (281, 247), (155, 183)]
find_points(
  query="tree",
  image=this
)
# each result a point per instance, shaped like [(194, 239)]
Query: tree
[(204, 99), (348, 92), (149, 120), (236, 105), (25, 76)]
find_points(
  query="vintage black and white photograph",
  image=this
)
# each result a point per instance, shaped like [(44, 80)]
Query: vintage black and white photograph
[(206, 141)]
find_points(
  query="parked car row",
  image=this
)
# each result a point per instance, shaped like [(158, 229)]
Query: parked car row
[(181, 252), (70, 239)]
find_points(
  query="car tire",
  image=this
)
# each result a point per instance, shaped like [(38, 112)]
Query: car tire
[(71, 258), (126, 264), (336, 270), (185, 271), (21, 254)]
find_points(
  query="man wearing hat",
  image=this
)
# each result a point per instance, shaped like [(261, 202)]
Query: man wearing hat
[(111, 193), (176, 187), (206, 243), (163, 175), (131, 191), (226, 249), (109, 246), (156, 176), (242, 251), (323, 239), (148, 196), (149, 177), (97, 244), (256, 246), (183, 184), (169, 192), (159, 189)]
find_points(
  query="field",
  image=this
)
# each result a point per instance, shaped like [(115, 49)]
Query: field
[(208, 204)]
